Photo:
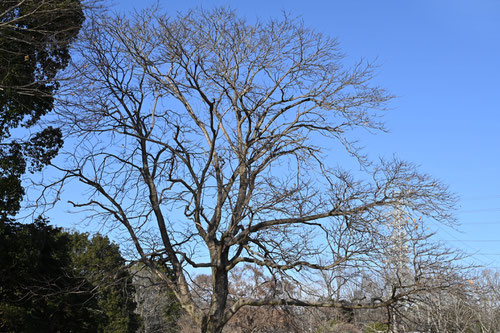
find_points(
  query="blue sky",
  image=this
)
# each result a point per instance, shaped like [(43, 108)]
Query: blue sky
[(442, 59)]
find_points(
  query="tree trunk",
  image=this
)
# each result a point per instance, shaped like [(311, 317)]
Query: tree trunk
[(214, 322)]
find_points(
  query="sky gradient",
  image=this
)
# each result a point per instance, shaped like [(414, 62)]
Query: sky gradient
[(442, 61)]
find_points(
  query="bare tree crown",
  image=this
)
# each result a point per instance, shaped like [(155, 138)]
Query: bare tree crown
[(206, 138)]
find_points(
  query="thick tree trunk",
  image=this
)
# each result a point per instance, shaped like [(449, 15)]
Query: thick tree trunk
[(214, 321), (219, 298), (212, 328)]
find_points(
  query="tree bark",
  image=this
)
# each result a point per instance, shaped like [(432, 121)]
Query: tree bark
[(214, 322)]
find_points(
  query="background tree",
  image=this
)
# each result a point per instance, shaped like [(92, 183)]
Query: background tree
[(214, 142), (39, 292), (156, 304), (34, 45), (55, 281), (470, 307), (251, 281), (99, 261)]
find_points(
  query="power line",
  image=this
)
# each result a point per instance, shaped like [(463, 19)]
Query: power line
[(479, 223), (471, 240), (484, 259), (484, 197), (482, 210)]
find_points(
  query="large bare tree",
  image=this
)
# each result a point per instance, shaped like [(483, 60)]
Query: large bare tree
[(215, 142)]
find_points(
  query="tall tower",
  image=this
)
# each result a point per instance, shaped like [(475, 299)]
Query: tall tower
[(398, 257)]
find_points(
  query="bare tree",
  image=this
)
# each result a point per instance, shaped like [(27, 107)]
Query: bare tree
[(157, 307), (487, 305), (214, 143), (470, 307)]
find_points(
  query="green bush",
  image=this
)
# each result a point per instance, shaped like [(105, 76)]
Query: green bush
[(375, 327)]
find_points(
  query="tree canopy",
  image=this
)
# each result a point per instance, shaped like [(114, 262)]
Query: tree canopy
[(53, 281), (34, 45), (215, 143), (99, 261)]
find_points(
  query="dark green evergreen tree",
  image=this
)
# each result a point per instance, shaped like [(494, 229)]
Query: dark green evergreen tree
[(35, 36), (100, 262), (54, 281), (38, 292)]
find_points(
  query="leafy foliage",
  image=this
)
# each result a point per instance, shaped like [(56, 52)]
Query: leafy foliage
[(34, 45), (37, 283), (376, 327), (100, 262), (80, 284)]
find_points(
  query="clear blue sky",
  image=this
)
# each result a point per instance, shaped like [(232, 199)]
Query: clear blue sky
[(442, 59)]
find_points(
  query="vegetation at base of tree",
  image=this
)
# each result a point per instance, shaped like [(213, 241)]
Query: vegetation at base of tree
[(375, 328), (52, 280), (35, 36)]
